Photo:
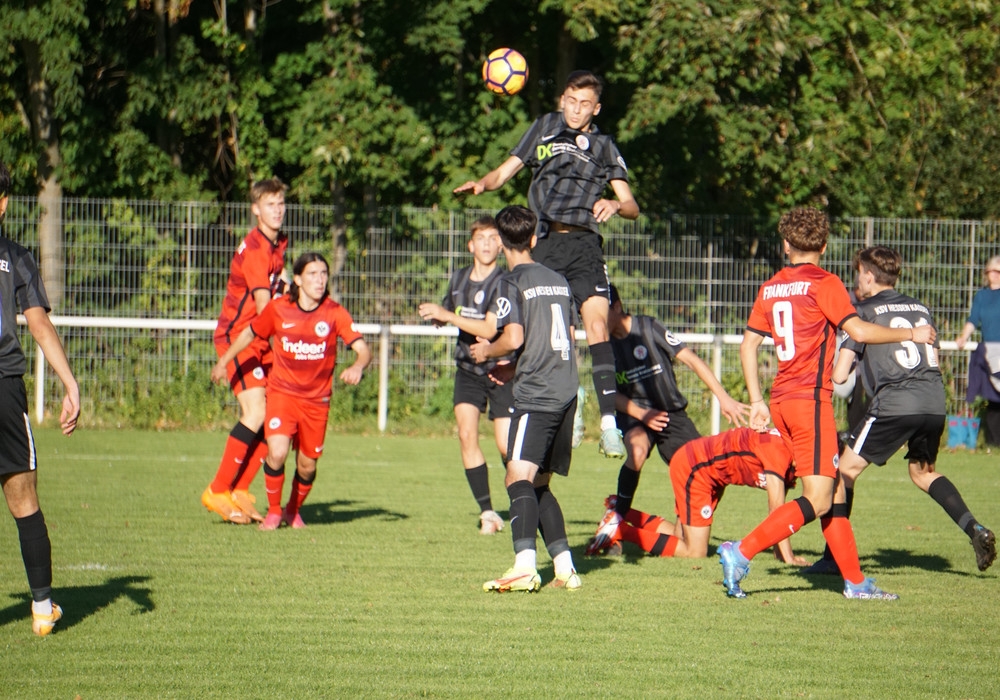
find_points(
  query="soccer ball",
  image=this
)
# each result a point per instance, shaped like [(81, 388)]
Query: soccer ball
[(505, 72)]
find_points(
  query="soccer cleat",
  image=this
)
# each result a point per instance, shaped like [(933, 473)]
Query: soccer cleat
[(578, 424), (823, 566), (43, 624), (735, 567), (570, 581), (223, 505), (490, 522), (295, 522), (866, 590), (985, 544), (608, 533), (611, 444), (613, 550), (272, 521), (244, 500), (514, 580)]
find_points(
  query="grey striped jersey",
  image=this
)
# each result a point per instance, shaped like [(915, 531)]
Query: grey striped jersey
[(644, 365), (470, 299), (20, 288)]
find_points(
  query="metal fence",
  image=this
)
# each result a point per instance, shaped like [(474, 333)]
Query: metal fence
[(127, 259)]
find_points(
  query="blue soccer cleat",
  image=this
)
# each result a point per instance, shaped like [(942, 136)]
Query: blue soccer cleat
[(735, 567)]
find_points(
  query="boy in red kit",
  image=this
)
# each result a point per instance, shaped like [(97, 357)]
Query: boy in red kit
[(255, 276), (303, 326), (802, 307)]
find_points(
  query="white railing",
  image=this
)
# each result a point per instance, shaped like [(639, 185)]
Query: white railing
[(385, 333)]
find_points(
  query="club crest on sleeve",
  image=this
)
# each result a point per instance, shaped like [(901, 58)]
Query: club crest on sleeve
[(671, 338), (274, 423)]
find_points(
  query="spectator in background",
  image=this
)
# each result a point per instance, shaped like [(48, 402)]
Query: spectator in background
[(984, 365)]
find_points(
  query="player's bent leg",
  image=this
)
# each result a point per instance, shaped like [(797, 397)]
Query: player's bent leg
[(694, 543)]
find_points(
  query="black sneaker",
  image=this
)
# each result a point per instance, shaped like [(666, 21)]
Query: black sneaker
[(985, 544), (827, 567)]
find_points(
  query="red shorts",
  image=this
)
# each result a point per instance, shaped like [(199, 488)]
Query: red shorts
[(695, 495), (294, 418), (810, 431), (249, 369)]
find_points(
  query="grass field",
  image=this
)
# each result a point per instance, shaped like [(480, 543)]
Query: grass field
[(381, 595)]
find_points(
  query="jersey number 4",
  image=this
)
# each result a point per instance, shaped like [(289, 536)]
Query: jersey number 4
[(559, 333)]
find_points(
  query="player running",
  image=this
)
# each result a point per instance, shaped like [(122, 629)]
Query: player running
[(801, 307), (572, 164), (255, 276), (304, 326), (651, 409), (471, 291), (534, 308)]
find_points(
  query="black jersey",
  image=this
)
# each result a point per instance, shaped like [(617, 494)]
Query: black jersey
[(902, 378), (644, 365), (20, 288), (470, 299), (570, 170), (539, 300)]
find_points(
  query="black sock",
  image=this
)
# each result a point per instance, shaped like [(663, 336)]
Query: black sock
[(628, 481), (523, 514), (36, 551), (602, 359), (479, 482), (551, 523), (947, 496)]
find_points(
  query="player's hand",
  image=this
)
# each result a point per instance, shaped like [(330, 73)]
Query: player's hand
[(478, 350), (734, 411), (924, 334), (70, 412), (760, 416), (471, 186), (218, 373), (351, 375), (795, 560), (604, 209), (431, 312), (502, 373), (655, 420)]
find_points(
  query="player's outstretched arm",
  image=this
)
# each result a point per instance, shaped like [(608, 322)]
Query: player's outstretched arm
[(732, 409), (652, 418), (624, 205), (874, 334), (507, 342), (241, 343), (760, 414), (41, 329), (352, 375), (484, 328), (493, 180)]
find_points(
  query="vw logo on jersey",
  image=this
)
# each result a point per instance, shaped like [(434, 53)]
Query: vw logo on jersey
[(503, 307), (322, 329), (671, 338), (706, 512), (582, 142), (274, 423), (480, 295), (258, 373), (640, 352)]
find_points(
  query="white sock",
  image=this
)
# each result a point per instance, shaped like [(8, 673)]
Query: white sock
[(43, 607), (608, 423), (563, 563), (525, 559)]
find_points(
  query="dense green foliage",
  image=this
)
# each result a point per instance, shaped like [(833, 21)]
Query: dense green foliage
[(871, 108), (380, 596)]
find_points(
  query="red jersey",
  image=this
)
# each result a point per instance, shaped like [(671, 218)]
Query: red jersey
[(304, 345), (738, 457), (802, 307), (257, 264)]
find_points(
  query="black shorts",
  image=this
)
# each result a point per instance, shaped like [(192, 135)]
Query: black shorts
[(680, 430), (877, 439), (545, 439), (17, 445), (479, 389), (578, 257)]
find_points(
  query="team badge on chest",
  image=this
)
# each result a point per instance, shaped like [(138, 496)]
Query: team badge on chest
[(582, 142), (322, 329), (640, 352)]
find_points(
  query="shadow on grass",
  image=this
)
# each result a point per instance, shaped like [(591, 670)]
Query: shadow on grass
[(79, 602), (344, 512)]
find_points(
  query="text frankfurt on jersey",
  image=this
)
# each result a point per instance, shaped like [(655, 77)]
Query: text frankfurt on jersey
[(788, 289), (303, 350), (544, 290)]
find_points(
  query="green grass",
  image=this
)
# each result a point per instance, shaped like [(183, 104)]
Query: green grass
[(381, 595)]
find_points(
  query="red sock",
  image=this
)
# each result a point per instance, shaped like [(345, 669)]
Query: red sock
[(650, 541), (642, 520), (840, 537), (781, 523), (233, 457), (251, 466), (274, 484), (300, 489)]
